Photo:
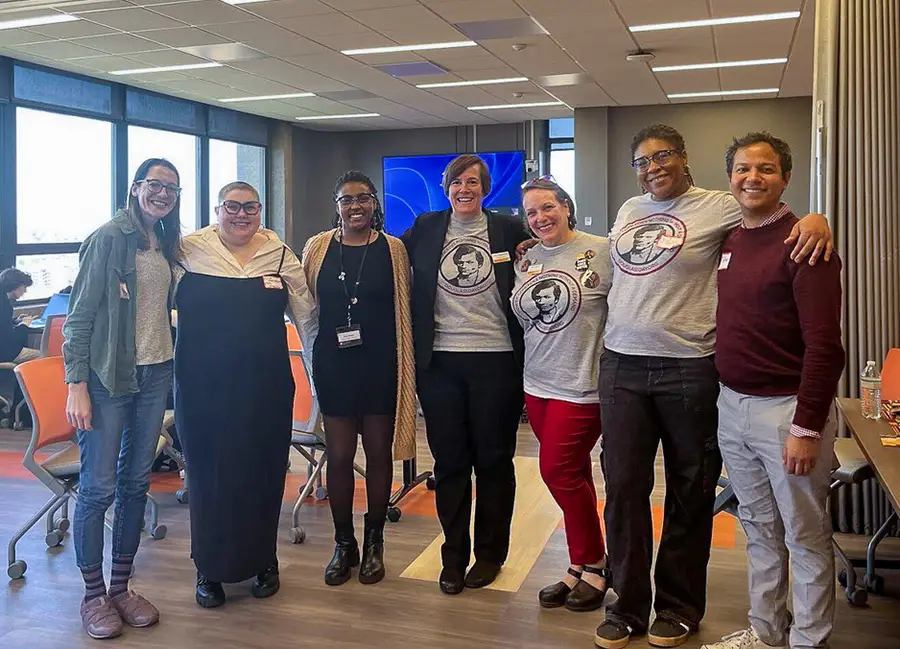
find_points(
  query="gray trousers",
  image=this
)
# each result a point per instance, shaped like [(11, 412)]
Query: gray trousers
[(783, 517)]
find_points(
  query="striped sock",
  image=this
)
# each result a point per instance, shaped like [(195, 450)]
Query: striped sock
[(121, 573), (94, 586)]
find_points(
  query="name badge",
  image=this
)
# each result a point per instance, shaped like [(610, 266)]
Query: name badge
[(349, 336), (272, 281), (123, 291), (726, 259), (500, 257), (666, 242), (535, 269)]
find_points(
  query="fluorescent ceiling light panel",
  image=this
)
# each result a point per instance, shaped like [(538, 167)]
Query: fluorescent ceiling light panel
[(316, 118), (410, 48), (536, 104), (714, 22), (169, 68), (723, 93), (481, 82), (292, 95), (722, 64), (49, 19)]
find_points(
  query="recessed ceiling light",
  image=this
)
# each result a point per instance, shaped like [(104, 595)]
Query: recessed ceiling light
[(169, 68), (315, 118), (723, 93), (410, 48), (481, 82), (49, 19), (722, 64), (713, 22), (536, 104), (292, 95)]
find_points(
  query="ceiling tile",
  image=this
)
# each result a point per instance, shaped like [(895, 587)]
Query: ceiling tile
[(12, 37), (761, 76), (75, 29), (57, 50), (181, 37), (287, 8), (224, 52), (268, 38), (643, 12), (107, 63), (119, 44), (203, 89), (323, 25), (356, 5), (510, 28), (354, 41), (409, 25), (206, 12), (770, 40), (460, 11), (285, 72), (739, 7), (164, 58), (133, 19), (89, 8), (689, 81)]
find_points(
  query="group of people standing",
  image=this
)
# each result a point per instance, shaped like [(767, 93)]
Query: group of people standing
[(478, 314)]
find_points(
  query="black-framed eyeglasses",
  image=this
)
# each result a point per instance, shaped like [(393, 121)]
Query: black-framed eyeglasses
[(660, 158), (156, 186), (546, 179), (364, 200), (251, 208)]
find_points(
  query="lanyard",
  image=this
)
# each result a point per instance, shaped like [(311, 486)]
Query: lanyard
[(352, 299)]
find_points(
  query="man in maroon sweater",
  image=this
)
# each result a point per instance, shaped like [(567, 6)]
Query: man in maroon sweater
[(779, 357)]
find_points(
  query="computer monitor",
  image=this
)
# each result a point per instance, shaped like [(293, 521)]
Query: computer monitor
[(57, 305)]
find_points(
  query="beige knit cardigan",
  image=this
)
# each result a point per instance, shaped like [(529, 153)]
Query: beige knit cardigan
[(405, 416)]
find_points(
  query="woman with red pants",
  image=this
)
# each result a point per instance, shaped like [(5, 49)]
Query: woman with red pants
[(560, 299)]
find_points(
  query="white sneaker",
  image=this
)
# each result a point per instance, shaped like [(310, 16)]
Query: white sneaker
[(746, 639)]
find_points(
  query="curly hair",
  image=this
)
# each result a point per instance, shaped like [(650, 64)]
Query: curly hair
[(354, 176)]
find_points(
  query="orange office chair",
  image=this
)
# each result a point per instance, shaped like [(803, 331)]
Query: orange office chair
[(43, 384), (52, 338), (890, 376), (293, 338)]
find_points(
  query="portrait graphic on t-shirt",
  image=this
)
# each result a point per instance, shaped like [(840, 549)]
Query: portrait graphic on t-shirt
[(466, 267), (646, 245), (549, 300)]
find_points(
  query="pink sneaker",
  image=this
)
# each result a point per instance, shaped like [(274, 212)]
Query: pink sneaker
[(135, 610), (101, 619)]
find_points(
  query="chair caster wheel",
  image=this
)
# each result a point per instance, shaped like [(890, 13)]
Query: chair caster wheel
[(876, 585), (159, 532), (18, 426), (5, 423), (858, 597), (430, 484), (842, 578), (63, 525), (16, 569), (182, 496), (54, 539), (321, 493), (394, 514), (298, 535)]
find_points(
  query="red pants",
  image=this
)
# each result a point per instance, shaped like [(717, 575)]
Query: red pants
[(567, 433)]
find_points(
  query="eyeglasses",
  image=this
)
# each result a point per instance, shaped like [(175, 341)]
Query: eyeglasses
[(364, 200), (545, 180), (251, 208), (660, 158), (156, 187)]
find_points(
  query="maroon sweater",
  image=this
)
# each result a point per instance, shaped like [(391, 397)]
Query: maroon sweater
[(778, 323)]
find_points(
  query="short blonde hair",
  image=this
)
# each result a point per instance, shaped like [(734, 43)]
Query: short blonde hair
[(237, 184)]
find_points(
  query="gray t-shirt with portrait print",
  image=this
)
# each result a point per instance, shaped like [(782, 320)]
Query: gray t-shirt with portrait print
[(560, 299), (468, 313), (665, 255)]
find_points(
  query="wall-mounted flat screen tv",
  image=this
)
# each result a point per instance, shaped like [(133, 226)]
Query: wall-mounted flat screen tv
[(412, 185)]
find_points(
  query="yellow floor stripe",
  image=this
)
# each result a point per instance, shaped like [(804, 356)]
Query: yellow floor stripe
[(535, 517)]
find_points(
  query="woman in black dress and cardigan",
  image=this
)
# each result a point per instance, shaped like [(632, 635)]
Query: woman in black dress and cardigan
[(363, 365)]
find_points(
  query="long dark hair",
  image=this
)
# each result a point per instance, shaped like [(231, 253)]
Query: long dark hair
[(354, 176), (168, 228), (561, 195)]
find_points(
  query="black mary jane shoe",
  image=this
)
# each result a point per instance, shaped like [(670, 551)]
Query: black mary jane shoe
[(266, 583), (585, 597), (554, 596), (209, 594)]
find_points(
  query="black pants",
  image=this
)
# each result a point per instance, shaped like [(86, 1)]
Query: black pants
[(472, 403), (645, 400)]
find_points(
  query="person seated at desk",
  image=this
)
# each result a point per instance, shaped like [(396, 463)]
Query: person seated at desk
[(780, 357), (14, 334), (234, 390)]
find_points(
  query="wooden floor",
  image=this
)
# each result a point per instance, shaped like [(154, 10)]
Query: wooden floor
[(41, 610)]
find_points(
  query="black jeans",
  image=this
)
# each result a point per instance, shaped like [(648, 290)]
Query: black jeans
[(645, 400), (472, 403)]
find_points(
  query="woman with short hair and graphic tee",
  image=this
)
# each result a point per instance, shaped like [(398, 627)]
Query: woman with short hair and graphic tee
[(469, 354), (658, 383), (560, 299)]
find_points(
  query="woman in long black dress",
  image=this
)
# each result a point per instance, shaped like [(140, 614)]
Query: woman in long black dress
[(362, 365), (234, 391)]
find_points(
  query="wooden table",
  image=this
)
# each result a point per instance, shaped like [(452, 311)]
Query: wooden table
[(885, 460)]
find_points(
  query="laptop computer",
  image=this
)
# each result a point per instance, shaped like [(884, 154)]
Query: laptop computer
[(57, 305)]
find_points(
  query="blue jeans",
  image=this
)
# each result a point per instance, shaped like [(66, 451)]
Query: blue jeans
[(116, 457)]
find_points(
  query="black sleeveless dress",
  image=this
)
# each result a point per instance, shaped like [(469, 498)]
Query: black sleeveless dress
[(233, 408)]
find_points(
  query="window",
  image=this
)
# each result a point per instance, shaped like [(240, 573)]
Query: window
[(179, 149), (562, 153), (64, 176), (50, 273), (229, 161)]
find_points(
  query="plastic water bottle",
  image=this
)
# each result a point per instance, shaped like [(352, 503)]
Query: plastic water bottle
[(870, 387)]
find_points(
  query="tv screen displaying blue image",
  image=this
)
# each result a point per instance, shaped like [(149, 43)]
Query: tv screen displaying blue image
[(412, 185)]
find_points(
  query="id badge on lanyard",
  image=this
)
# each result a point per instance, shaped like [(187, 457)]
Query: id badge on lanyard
[(349, 336)]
